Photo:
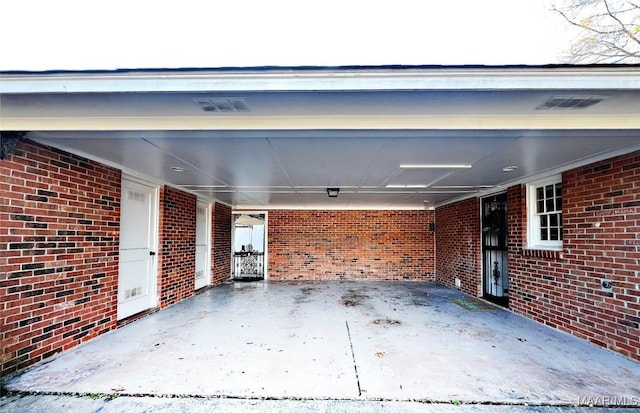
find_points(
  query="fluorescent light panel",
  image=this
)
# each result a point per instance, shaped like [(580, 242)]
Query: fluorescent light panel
[(202, 186), (462, 186), (402, 186), (435, 166), (457, 191), (266, 187)]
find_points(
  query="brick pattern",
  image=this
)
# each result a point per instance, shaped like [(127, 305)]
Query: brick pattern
[(177, 260), (59, 235), (458, 246), (221, 254), (563, 290), (367, 245)]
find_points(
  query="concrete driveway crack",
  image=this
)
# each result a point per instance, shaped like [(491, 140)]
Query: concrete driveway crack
[(353, 356)]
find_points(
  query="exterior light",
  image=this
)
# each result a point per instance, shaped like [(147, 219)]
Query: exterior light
[(333, 192), (435, 166)]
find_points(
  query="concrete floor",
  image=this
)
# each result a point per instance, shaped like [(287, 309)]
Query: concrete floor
[(382, 341)]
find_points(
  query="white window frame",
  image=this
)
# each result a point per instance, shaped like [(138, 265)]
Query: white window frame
[(533, 219)]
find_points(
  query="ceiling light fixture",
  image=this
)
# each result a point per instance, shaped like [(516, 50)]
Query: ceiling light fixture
[(435, 166), (201, 187), (177, 169), (333, 192), (462, 186), (510, 168), (404, 186), (449, 191)]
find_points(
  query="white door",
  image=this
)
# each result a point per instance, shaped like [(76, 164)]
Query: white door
[(203, 246), (137, 276)]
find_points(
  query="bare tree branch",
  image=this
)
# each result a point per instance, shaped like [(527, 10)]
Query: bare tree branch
[(578, 24), (610, 30), (622, 25)]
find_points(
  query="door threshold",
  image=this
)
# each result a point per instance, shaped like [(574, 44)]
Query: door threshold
[(137, 316), (247, 279), (501, 301)]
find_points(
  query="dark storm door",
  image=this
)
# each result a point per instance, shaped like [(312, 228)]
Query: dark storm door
[(494, 249)]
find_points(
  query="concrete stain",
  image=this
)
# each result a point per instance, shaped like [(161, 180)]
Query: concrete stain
[(386, 322)]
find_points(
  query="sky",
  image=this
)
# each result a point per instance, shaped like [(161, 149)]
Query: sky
[(134, 34)]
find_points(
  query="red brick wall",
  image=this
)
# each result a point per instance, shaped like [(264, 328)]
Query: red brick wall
[(329, 245), (563, 290), (221, 254), (177, 261), (59, 235), (458, 248)]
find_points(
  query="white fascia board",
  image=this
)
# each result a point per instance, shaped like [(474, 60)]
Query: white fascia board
[(324, 80), (563, 121)]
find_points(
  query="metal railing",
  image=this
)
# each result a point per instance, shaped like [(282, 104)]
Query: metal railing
[(248, 264)]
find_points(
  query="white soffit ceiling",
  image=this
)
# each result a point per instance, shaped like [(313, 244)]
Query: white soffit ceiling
[(279, 138), (289, 169)]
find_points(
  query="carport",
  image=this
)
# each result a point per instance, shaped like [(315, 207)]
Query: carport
[(390, 201)]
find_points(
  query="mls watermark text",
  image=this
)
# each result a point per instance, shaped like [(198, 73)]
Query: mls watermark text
[(609, 401)]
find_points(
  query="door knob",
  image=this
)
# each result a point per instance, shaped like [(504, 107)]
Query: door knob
[(152, 253)]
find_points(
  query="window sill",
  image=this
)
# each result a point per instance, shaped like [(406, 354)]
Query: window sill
[(556, 254)]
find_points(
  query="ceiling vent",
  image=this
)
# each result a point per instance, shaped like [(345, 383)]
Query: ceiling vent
[(571, 102), (223, 105)]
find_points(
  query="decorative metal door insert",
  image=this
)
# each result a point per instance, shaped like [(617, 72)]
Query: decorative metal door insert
[(494, 249), (248, 264)]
